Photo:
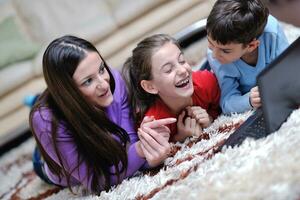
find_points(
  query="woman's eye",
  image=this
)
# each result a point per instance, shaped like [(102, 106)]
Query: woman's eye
[(101, 70), (87, 82)]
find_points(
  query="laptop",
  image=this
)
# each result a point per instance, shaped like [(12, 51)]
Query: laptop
[(279, 86)]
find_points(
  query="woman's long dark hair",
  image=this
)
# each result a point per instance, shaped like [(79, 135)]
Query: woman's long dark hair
[(90, 127), (138, 67)]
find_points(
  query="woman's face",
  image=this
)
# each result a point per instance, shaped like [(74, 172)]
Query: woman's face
[(92, 79)]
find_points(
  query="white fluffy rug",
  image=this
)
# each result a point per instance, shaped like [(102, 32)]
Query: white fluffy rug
[(268, 168)]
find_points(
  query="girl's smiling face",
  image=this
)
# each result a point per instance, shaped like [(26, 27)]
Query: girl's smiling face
[(172, 75)]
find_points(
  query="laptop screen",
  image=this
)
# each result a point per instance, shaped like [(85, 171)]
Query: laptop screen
[(279, 87)]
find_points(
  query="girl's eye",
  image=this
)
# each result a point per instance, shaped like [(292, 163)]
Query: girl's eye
[(87, 82), (167, 69), (181, 60)]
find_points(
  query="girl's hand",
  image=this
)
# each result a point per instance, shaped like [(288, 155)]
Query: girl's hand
[(255, 100), (200, 114), (187, 127)]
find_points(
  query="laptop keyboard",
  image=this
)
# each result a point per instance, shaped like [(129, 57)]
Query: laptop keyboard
[(254, 130), (257, 128)]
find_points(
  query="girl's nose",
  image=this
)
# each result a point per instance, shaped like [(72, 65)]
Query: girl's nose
[(181, 69)]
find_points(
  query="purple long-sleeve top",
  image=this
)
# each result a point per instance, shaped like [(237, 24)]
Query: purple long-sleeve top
[(118, 112)]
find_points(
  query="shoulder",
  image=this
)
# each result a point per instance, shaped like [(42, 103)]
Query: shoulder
[(272, 26), (221, 70), (117, 76), (202, 76), (42, 114), (120, 86), (41, 121), (204, 79), (158, 110)]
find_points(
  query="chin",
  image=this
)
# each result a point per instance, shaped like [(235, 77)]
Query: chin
[(187, 93), (107, 102)]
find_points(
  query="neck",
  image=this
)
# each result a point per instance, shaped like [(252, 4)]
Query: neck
[(178, 104), (251, 58)]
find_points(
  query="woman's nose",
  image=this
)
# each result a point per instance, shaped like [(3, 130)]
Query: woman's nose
[(100, 81)]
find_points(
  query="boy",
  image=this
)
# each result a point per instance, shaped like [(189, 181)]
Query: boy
[(243, 39)]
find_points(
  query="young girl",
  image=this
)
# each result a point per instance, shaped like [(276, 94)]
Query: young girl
[(161, 84), (82, 123)]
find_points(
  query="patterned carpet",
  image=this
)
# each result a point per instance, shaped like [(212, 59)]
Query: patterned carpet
[(268, 168)]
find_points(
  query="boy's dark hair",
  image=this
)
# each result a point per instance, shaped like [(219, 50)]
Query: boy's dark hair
[(237, 21)]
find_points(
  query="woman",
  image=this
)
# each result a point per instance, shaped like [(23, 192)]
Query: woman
[(82, 122)]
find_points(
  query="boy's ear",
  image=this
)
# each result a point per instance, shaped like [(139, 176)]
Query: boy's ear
[(149, 87), (253, 44)]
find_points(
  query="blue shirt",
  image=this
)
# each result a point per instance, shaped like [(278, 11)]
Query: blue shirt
[(237, 78)]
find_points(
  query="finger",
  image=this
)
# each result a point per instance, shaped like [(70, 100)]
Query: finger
[(197, 108), (164, 131), (256, 100), (153, 138), (198, 130), (202, 115), (203, 120), (187, 126), (193, 125), (187, 122), (148, 154), (147, 119), (160, 122), (181, 116), (147, 141), (189, 110)]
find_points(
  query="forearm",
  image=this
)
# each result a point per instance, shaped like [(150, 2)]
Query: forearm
[(236, 103)]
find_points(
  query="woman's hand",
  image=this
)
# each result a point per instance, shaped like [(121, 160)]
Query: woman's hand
[(154, 136), (158, 125), (200, 114)]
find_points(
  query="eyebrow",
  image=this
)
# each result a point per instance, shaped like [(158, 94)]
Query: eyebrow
[(224, 49), (168, 63), (102, 65)]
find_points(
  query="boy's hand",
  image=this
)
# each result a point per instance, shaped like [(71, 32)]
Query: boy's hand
[(200, 115), (255, 97)]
